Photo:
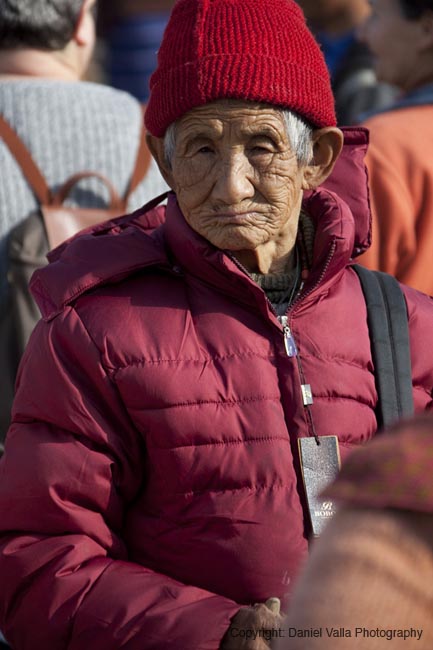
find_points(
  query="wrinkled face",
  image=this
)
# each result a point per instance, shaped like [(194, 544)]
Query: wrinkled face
[(392, 38), (237, 180)]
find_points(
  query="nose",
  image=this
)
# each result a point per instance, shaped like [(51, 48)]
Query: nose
[(235, 180)]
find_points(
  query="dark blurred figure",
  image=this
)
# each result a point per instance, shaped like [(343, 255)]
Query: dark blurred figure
[(349, 61), (400, 35), (132, 31), (369, 580)]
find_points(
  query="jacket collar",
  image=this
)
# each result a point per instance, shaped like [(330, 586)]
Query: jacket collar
[(333, 247)]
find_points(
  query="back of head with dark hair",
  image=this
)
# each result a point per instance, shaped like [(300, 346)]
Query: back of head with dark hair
[(39, 24), (413, 9)]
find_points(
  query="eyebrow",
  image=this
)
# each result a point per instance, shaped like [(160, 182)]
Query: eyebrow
[(204, 133), (255, 131), (264, 131)]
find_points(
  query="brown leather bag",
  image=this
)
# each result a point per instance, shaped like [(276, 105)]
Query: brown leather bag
[(31, 240)]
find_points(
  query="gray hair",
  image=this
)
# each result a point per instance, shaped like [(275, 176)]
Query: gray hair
[(299, 132)]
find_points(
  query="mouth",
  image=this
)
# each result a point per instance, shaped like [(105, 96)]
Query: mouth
[(238, 217)]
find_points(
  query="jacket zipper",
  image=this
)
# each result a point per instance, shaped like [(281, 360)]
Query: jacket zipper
[(289, 341), (319, 280), (292, 350)]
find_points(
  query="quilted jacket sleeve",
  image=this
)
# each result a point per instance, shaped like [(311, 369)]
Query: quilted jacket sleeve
[(72, 463)]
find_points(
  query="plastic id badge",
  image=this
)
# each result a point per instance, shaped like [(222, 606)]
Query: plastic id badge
[(320, 464)]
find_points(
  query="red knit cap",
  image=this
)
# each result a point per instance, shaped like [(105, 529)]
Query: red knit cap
[(256, 50)]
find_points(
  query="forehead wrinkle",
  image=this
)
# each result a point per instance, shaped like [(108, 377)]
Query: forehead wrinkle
[(197, 128), (216, 129), (212, 120), (266, 130)]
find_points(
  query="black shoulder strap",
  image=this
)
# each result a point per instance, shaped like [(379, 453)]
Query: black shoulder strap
[(389, 335)]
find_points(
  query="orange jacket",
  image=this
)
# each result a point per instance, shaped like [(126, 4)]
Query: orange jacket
[(400, 167)]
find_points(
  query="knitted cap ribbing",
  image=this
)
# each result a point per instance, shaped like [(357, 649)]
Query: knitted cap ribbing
[(256, 50)]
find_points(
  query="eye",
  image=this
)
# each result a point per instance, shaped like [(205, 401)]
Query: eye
[(261, 152), (205, 149), (262, 146), (261, 149)]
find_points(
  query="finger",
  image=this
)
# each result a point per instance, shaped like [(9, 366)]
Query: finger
[(274, 604)]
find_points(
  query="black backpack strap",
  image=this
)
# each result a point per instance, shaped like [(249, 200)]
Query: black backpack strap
[(389, 335)]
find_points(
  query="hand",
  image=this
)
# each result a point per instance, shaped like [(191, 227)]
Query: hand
[(251, 628)]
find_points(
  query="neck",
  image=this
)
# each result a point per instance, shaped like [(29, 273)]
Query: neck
[(264, 260), (277, 255), (36, 63)]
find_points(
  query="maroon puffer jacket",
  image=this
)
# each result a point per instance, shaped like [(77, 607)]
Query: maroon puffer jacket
[(151, 483)]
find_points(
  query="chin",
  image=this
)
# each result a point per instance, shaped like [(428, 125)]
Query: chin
[(238, 246), (237, 242)]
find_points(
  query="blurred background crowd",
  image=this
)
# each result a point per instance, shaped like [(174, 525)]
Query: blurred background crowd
[(129, 33)]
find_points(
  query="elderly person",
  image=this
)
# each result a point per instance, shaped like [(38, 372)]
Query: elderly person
[(150, 492)]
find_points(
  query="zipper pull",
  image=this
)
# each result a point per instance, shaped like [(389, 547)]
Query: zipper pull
[(289, 341)]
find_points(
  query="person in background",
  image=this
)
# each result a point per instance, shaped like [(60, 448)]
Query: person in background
[(65, 122), (372, 569), (153, 469), (354, 83), (131, 31), (400, 35), (68, 125)]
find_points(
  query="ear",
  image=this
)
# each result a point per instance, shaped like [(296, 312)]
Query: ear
[(327, 146), (156, 148), (85, 28)]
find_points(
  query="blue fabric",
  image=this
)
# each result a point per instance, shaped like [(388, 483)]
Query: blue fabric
[(334, 49), (132, 47), (417, 97), (422, 96)]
